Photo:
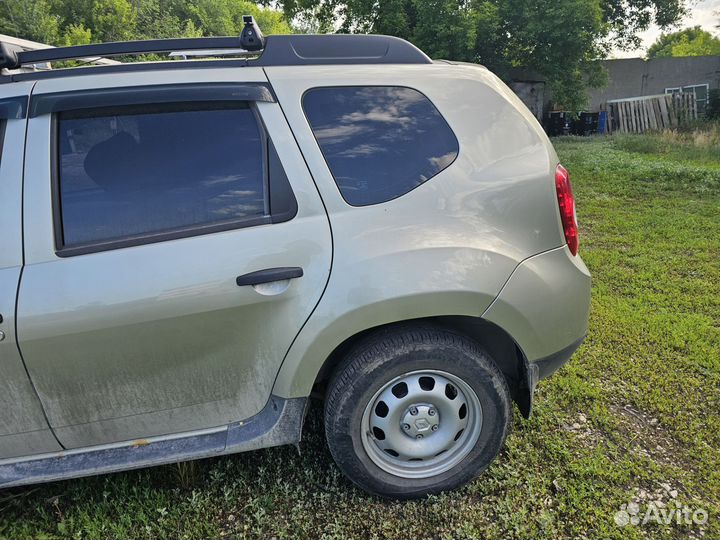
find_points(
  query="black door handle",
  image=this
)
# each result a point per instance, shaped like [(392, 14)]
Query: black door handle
[(268, 275)]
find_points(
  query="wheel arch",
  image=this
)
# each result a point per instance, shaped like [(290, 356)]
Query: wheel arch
[(499, 344)]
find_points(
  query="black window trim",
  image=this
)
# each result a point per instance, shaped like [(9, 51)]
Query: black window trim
[(3, 127), (63, 251), (337, 186), (152, 94), (14, 108)]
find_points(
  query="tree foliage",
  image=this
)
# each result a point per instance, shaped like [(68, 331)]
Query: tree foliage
[(559, 40), (689, 42), (76, 22), (29, 19)]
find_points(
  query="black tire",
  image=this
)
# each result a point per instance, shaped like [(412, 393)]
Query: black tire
[(391, 353)]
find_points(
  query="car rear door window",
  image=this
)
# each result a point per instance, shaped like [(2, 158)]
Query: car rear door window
[(133, 171), (380, 142)]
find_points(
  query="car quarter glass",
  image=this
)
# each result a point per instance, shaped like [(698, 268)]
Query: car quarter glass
[(380, 142), (130, 171)]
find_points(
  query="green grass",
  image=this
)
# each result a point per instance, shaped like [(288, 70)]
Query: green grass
[(638, 407), (698, 145)]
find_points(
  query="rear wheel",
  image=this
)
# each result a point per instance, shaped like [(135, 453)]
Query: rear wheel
[(414, 411)]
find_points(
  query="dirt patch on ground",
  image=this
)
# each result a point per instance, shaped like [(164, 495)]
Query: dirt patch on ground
[(645, 436)]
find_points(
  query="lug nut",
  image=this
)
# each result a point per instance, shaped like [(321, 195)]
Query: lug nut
[(413, 410), (419, 436), (406, 426), (435, 427), (431, 412)]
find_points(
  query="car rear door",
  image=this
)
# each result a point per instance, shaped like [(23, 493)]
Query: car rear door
[(23, 427), (147, 195)]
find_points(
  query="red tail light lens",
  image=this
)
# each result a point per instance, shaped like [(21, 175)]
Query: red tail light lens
[(566, 202)]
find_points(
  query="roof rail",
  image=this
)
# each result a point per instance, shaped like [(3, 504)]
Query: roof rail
[(288, 50), (119, 48), (12, 45)]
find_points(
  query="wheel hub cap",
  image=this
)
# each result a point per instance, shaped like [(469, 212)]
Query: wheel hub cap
[(420, 420), (421, 424)]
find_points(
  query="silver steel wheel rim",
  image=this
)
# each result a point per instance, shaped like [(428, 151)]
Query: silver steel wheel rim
[(421, 424)]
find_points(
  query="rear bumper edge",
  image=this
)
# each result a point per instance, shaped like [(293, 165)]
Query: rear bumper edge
[(551, 363)]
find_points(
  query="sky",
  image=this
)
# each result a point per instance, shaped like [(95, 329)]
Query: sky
[(701, 13)]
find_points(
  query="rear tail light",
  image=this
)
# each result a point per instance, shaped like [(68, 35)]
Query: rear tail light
[(566, 202)]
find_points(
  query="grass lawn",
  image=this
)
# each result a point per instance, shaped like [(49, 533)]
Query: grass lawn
[(634, 417)]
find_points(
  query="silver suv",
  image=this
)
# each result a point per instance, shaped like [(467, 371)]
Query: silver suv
[(192, 248)]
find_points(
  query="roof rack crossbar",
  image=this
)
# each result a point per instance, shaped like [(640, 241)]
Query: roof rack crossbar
[(117, 49)]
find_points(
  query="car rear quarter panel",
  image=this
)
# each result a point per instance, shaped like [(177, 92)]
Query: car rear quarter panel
[(545, 305), (448, 246)]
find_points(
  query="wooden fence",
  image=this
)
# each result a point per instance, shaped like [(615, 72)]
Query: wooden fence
[(648, 113)]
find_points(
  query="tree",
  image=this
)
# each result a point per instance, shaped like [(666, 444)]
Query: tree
[(157, 19), (625, 19), (689, 42), (76, 34), (113, 20), (558, 39), (221, 17), (29, 19), (74, 22)]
